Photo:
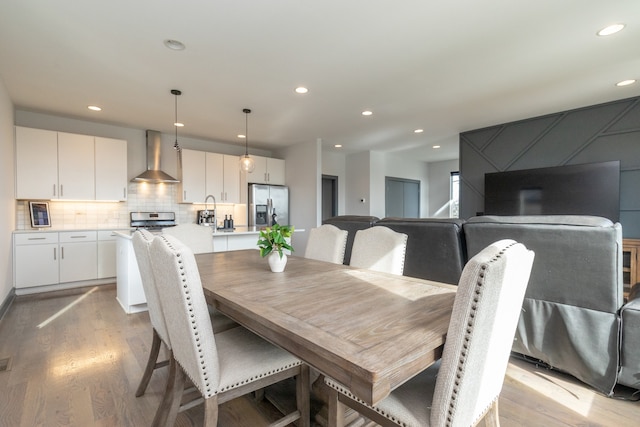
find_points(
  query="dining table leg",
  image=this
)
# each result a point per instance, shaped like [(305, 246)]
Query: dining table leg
[(335, 417)]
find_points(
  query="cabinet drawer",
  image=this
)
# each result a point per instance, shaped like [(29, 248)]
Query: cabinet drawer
[(35, 238), (78, 236), (106, 235)]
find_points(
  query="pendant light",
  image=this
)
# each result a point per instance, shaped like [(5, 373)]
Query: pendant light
[(177, 93), (246, 163)]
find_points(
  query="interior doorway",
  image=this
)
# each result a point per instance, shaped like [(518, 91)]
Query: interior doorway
[(402, 197), (329, 196)]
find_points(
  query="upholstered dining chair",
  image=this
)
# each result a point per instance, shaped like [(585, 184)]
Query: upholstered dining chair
[(197, 237), (222, 367), (379, 248), (463, 387), (327, 243), (141, 241)]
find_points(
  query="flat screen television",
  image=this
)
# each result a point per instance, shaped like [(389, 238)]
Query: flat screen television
[(585, 189)]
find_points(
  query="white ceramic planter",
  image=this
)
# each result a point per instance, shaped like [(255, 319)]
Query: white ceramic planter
[(276, 263)]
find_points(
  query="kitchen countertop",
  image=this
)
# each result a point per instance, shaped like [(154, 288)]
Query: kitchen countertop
[(62, 230)]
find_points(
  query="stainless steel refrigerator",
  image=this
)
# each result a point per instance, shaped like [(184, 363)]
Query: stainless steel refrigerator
[(268, 203)]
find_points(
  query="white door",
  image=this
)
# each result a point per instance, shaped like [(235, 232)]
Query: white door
[(76, 171), (36, 163), (215, 176), (36, 265), (231, 179), (111, 169), (193, 176)]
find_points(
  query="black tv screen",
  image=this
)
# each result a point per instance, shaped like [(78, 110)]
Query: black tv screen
[(585, 189)]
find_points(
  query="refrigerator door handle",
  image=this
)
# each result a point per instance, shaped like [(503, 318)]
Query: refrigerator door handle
[(269, 211)]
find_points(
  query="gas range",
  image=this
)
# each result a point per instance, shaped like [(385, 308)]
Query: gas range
[(153, 221)]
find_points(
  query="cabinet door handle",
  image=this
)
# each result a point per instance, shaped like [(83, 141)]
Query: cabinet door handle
[(124, 193), (268, 176), (61, 190), (79, 237), (36, 238), (62, 252), (54, 190), (54, 254), (184, 195), (225, 196)]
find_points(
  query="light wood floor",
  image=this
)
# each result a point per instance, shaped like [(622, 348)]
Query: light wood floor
[(75, 359)]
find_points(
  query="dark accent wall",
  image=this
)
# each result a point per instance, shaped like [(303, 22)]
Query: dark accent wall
[(597, 133)]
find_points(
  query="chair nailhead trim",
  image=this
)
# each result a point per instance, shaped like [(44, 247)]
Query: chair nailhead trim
[(467, 339)]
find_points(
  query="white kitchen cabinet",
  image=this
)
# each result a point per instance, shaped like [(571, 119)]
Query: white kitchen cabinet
[(65, 166), (193, 180), (36, 163), (76, 167), (267, 171), (111, 169), (107, 266), (36, 259), (223, 177), (78, 256)]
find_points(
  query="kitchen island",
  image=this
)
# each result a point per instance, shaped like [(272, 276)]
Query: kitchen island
[(130, 293)]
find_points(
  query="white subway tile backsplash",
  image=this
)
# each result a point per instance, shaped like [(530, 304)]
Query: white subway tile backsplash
[(143, 197)]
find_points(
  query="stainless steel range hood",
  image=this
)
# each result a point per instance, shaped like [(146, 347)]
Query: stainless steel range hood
[(153, 172)]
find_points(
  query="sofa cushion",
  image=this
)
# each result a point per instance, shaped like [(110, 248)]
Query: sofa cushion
[(435, 247), (630, 345)]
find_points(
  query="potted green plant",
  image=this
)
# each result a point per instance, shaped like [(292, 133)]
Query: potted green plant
[(272, 241)]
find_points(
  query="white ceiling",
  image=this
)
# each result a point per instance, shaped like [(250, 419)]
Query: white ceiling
[(443, 66)]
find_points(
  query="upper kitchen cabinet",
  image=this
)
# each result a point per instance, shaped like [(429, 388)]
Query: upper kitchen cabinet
[(36, 163), (65, 166), (194, 175), (111, 169), (267, 171), (76, 167), (223, 177)]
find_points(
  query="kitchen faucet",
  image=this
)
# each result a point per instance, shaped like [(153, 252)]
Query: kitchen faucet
[(215, 210)]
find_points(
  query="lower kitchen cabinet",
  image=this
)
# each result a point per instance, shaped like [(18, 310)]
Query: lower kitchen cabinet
[(53, 258), (36, 259), (78, 256)]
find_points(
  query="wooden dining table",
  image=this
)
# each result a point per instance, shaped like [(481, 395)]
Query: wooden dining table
[(371, 331)]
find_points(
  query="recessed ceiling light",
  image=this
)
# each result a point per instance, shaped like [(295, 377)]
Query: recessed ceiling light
[(178, 125), (241, 136), (418, 131), (174, 44), (301, 89), (611, 29), (94, 108), (338, 145), (436, 146), (367, 113), (626, 82)]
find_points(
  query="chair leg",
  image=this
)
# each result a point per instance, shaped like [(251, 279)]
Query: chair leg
[(492, 418), (174, 387), (302, 396), (335, 416), (151, 363), (211, 412)]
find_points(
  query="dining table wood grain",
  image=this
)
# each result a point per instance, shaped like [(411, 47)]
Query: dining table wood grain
[(371, 331)]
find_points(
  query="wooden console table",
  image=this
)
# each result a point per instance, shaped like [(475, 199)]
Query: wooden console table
[(630, 268)]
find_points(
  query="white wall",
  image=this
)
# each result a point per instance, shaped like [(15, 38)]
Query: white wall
[(439, 183), (357, 185), (7, 186), (303, 170)]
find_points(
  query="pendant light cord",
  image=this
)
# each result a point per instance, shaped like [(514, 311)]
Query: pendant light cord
[(246, 112), (176, 92)]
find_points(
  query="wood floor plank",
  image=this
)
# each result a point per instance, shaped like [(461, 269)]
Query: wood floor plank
[(83, 367)]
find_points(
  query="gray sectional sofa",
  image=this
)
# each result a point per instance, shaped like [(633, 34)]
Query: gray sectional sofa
[(574, 318)]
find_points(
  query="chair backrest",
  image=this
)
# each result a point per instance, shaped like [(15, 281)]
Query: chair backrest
[(379, 249), (351, 223), (185, 310), (327, 243), (141, 240), (197, 237), (483, 322)]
